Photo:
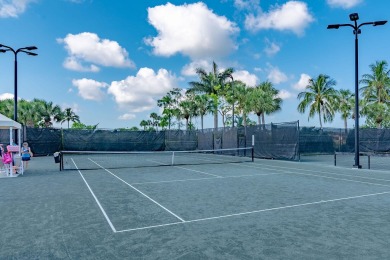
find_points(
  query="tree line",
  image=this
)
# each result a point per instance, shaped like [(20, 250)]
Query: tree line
[(217, 93)]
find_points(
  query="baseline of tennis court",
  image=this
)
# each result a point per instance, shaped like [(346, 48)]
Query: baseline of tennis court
[(148, 198)]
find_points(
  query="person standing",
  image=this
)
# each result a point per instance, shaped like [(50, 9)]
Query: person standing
[(26, 154)]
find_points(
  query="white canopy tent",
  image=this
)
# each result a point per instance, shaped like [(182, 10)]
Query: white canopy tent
[(6, 123)]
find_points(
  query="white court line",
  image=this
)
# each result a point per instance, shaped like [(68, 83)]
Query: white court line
[(97, 201), (134, 188), (201, 179), (281, 168), (256, 211), (189, 169)]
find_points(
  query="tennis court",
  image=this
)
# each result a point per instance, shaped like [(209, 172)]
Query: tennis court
[(265, 209)]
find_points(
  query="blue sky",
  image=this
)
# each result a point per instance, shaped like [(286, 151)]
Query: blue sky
[(110, 61)]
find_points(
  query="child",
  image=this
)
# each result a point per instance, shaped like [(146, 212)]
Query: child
[(26, 154)]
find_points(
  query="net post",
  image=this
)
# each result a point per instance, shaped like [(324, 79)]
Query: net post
[(335, 159), (369, 161), (253, 148), (61, 161), (173, 158)]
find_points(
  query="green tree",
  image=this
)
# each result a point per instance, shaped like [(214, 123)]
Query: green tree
[(213, 84), (144, 124), (203, 105), (48, 112), (155, 120), (264, 100), (187, 108), (376, 92), (320, 97), (345, 101), (79, 125), (69, 115), (169, 104)]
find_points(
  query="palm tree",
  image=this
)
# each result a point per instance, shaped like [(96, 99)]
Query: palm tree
[(7, 107), (144, 124), (187, 108), (69, 115), (320, 96), (242, 95), (346, 101), (376, 91), (48, 112), (264, 100), (211, 83), (203, 105), (26, 113), (224, 108), (169, 103), (155, 120)]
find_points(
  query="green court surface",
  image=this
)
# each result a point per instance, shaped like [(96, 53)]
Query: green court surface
[(265, 209)]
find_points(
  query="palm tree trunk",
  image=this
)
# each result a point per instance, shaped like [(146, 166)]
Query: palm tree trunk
[(259, 119), (263, 118), (216, 118), (187, 123), (201, 122), (319, 116), (345, 125)]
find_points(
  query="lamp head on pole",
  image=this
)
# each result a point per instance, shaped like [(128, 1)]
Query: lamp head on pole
[(377, 23), (354, 17), (30, 48), (333, 26)]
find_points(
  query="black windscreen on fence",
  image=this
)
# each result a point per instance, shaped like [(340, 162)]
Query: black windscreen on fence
[(112, 140), (44, 141), (277, 141), (180, 140)]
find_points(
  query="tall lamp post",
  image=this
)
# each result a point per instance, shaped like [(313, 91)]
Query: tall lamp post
[(356, 31), (233, 99), (27, 50)]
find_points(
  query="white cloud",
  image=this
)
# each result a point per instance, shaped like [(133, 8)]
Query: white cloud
[(271, 48), (346, 4), (90, 89), (244, 76), (88, 48), (71, 63), (6, 96), (292, 16), (247, 4), (302, 83), (140, 92), (190, 69), (75, 107), (127, 117), (192, 30), (284, 94), (276, 76), (12, 8)]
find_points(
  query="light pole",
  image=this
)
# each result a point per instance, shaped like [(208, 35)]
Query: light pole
[(26, 50), (230, 75), (356, 31)]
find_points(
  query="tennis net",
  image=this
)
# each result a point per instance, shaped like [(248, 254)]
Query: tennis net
[(89, 160)]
